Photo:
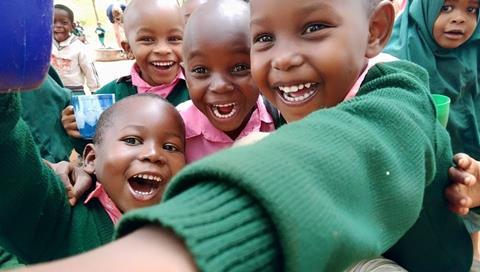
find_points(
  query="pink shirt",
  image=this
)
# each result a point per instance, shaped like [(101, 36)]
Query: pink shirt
[(202, 138), (143, 87), (382, 57), (113, 212)]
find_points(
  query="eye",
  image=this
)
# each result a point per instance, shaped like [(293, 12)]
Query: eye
[(263, 38), (132, 140), (472, 10), (171, 147), (447, 8), (240, 68), (313, 28), (199, 70), (146, 39), (175, 39)]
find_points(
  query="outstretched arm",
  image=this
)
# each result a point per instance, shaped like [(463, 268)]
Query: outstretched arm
[(34, 206), (148, 249)]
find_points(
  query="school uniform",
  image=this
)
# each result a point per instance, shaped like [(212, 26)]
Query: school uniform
[(37, 223), (203, 139), (347, 183), (453, 72)]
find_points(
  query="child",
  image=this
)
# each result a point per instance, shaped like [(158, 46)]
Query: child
[(225, 103), (154, 32), (136, 151), (69, 54), (295, 201), (443, 37), (101, 34)]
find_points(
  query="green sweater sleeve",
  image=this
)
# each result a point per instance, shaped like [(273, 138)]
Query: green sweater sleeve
[(342, 185), (34, 204)]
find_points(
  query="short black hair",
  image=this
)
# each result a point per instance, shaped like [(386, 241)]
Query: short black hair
[(66, 9), (107, 116)]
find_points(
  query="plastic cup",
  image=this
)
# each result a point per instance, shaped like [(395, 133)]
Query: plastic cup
[(442, 105), (87, 110), (26, 45)]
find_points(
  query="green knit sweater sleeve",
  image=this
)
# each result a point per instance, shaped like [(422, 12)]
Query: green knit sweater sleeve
[(34, 214), (343, 184)]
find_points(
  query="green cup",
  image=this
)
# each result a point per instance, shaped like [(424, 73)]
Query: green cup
[(442, 104)]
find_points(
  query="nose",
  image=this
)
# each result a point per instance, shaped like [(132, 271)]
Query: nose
[(458, 18), (152, 152), (286, 59), (163, 48), (220, 84)]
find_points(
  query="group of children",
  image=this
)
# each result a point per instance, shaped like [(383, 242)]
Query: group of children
[(359, 171)]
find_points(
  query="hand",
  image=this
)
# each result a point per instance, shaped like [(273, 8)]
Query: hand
[(69, 123), (464, 192), (75, 179)]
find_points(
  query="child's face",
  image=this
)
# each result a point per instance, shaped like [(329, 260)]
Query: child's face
[(306, 55), (455, 23), (217, 68), (154, 37), (141, 150), (62, 25)]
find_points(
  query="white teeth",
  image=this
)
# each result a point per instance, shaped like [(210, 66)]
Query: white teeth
[(295, 88), (148, 177), (302, 98), (220, 115), (162, 63)]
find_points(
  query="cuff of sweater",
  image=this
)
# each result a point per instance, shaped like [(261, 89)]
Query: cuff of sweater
[(222, 228)]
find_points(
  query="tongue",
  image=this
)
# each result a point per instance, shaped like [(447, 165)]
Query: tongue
[(225, 110)]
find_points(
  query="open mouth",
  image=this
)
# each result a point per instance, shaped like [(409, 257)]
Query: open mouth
[(224, 111), (163, 65), (297, 94), (144, 186)]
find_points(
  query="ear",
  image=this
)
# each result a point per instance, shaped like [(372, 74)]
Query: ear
[(126, 47), (380, 28), (89, 159)]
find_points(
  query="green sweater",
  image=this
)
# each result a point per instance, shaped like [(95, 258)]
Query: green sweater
[(36, 222), (344, 184), (41, 110)]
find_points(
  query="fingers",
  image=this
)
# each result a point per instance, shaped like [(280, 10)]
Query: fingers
[(462, 160), (461, 177), (69, 123), (83, 182), (459, 201)]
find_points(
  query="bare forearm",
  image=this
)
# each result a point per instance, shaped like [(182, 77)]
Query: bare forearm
[(148, 249)]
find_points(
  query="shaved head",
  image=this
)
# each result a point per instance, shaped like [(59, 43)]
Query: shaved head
[(137, 9)]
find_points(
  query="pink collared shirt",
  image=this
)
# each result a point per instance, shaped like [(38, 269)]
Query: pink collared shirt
[(203, 139), (143, 87), (382, 57), (113, 212)]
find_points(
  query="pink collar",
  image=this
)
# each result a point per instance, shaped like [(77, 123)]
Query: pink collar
[(113, 212), (382, 57), (197, 123), (143, 87)]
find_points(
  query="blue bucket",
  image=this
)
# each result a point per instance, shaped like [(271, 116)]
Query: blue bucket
[(26, 43)]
